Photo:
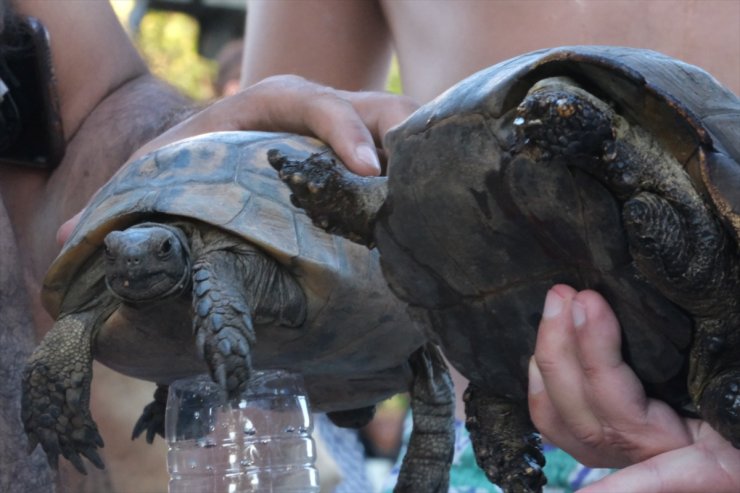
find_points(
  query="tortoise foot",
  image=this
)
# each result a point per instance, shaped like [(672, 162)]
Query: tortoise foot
[(506, 445), (152, 418), (335, 199), (55, 406), (59, 420)]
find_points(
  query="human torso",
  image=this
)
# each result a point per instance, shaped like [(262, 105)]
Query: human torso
[(435, 51)]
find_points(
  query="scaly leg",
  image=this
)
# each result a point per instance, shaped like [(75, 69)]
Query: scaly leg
[(55, 407), (337, 200), (426, 466), (230, 289), (507, 447)]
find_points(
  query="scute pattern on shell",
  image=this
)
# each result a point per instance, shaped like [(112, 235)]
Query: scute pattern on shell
[(206, 183), (223, 180)]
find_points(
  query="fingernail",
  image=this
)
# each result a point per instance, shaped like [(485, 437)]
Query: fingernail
[(553, 305), (367, 155), (536, 385), (578, 312)]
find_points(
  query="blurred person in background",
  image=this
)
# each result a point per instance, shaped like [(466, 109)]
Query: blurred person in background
[(228, 68), (349, 45)]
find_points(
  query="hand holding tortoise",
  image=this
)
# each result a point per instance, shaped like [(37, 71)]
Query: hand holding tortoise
[(584, 398)]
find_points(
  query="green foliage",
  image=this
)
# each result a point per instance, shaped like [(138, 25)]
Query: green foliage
[(168, 42), (394, 78)]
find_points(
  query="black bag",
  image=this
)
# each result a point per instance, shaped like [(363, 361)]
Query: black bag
[(31, 131)]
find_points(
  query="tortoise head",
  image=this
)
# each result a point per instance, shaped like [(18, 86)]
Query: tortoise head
[(147, 262)]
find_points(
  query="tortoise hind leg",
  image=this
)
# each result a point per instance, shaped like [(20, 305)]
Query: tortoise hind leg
[(55, 406), (507, 447), (230, 289), (690, 263), (152, 418), (336, 199), (426, 465)]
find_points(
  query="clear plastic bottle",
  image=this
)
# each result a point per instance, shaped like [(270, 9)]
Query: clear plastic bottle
[(259, 443)]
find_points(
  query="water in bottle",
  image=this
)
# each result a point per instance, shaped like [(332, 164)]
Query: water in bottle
[(260, 442)]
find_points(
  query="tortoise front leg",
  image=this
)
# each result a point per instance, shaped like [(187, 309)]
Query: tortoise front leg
[(230, 288), (507, 446), (337, 200), (55, 407), (426, 465), (152, 418)]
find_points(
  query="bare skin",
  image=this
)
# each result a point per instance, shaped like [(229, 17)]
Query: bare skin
[(347, 44), (585, 398), (352, 123)]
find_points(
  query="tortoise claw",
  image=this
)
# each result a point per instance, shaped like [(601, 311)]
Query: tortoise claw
[(507, 447), (152, 418), (76, 461), (92, 455)]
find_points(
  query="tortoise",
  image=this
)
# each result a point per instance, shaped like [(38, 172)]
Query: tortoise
[(192, 259), (601, 167)]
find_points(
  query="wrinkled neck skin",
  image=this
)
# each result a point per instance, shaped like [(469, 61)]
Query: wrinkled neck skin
[(150, 341)]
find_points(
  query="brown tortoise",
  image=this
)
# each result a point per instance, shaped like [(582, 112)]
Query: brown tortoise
[(602, 167), (192, 259)]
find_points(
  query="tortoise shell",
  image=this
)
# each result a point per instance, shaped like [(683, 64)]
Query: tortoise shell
[(349, 357), (474, 243)]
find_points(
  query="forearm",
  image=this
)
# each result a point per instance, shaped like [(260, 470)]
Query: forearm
[(133, 114), (344, 44)]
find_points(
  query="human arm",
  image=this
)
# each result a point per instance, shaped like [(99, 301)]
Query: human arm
[(105, 100), (585, 399), (340, 43), (352, 123)]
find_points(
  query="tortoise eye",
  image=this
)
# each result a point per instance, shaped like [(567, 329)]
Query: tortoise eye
[(166, 247), (109, 252)]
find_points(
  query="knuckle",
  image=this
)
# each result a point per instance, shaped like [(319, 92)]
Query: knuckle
[(548, 361), (281, 82), (588, 435)]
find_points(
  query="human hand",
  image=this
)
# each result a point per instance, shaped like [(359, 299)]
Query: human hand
[(585, 399), (351, 123)]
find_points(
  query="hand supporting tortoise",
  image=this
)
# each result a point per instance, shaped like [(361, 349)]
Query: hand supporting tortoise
[(352, 123), (585, 399)]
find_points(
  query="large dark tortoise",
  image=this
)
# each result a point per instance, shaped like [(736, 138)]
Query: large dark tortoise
[(192, 259), (601, 167)]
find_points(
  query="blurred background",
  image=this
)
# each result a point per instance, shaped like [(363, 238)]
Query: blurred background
[(191, 42), (196, 46)]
